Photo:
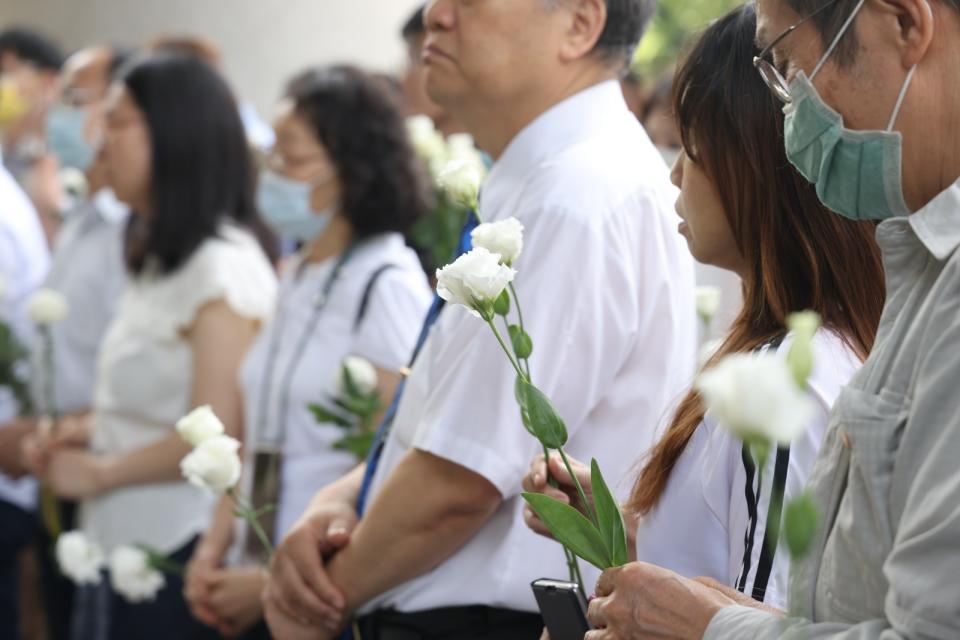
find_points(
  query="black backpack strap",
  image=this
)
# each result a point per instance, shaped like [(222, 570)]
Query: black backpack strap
[(368, 292)]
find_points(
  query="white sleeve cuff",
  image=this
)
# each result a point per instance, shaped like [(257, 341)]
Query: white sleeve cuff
[(737, 621)]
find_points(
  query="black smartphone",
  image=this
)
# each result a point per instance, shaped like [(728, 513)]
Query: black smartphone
[(563, 608)]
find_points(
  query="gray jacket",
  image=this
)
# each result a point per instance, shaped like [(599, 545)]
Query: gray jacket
[(886, 562)]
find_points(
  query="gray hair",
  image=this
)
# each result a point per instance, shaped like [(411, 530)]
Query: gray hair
[(627, 20)]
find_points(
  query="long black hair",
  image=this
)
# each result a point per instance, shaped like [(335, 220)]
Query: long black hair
[(201, 167)]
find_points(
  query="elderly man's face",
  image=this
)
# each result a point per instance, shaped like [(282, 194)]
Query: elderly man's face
[(489, 49), (864, 91)]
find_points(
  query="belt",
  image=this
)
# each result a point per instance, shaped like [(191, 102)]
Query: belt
[(475, 622)]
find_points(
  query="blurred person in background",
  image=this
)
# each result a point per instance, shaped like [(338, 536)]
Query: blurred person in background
[(416, 100), (24, 260), (200, 287), (259, 133), (345, 182), (29, 64), (87, 269), (660, 123)]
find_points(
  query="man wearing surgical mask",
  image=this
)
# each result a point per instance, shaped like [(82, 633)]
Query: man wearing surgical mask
[(872, 118)]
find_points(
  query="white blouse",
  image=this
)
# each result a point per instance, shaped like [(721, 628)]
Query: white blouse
[(296, 359), (145, 381), (702, 525)]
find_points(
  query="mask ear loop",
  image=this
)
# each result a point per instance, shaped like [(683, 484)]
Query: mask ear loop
[(836, 40), (903, 94)]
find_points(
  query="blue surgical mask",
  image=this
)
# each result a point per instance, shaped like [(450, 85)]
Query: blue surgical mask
[(856, 173), (65, 137), (284, 204)]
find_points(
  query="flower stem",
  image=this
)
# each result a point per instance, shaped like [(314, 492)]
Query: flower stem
[(583, 496), (247, 513), (516, 303), (507, 351)]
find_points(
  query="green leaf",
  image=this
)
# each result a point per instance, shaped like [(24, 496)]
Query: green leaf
[(800, 520), (544, 421), (609, 517), (521, 341), (358, 444), (502, 305), (326, 416), (571, 529)]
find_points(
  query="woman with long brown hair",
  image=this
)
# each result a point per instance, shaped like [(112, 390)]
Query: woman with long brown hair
[(696, 507)]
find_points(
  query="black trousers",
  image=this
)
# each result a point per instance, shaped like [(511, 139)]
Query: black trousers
[(451, 623), (17, 528), (101, 614)]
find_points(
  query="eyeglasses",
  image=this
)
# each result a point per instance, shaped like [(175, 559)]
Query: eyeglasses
[(770, 74)]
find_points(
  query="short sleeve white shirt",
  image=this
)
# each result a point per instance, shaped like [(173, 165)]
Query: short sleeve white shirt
[(606, 285), (145, 381), (712, 518), (296, 359), (24, 261)]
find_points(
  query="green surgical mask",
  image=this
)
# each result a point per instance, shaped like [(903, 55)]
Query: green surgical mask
[(857, 173)]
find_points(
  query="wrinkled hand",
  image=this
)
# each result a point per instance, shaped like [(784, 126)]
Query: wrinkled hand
[(536, 482), (738, 596), (197, 585), (75, 474), (235, 597), (640, 600), (299, 589)]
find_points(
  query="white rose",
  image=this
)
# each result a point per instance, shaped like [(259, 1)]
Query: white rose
[(426, 140), (504, 237), (461, 180), (460, 146), (475, 280), (132, 576), (47, 307), (708, 301), (79, 558), (755, 396), (213, 464), (363, 374), (199, 425)]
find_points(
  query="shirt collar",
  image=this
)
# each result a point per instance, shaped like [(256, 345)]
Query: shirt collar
[(937, 225), (563, 125)]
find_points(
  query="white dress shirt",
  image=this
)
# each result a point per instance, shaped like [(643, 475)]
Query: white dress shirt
[(702, 525), (24, 260), (145, 382), (296, 359), (606, 286), (89, 271)]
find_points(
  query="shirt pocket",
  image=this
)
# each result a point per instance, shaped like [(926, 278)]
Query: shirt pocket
[(851, 577)]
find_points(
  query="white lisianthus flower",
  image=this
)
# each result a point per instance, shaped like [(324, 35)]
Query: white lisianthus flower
[(460, 146), (708, 301), (504, 237), (427, 142), (47, 307), (79, 559), (475, 280), (756, 397), (363, 374), (199, 425), (132, 576), (213, 464), (461, 180)]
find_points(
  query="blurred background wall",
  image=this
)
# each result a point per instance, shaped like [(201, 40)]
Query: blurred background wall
[(263, 41)]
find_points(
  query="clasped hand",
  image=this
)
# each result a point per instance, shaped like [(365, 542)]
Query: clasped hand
[(300, 600)]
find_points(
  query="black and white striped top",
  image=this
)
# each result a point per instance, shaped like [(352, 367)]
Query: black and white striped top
[(713, 518)]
